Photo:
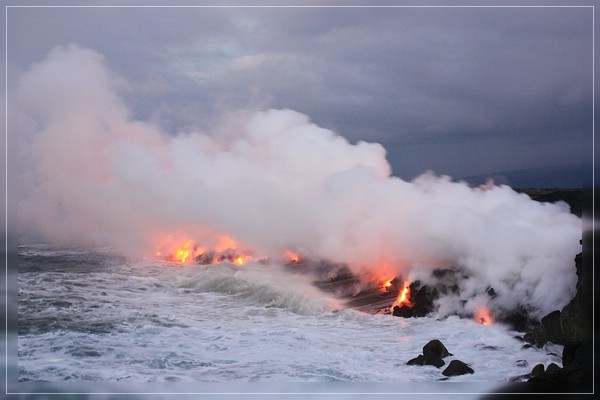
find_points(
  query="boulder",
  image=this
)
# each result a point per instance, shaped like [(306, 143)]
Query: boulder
[(552, 368), (552, 374), (433, 359), (437, 348), (420, 360), (430, 359), (457, 367), (433, 352), (537, 370)]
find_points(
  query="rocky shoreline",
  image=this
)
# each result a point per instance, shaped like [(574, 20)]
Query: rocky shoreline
[(569, 327)]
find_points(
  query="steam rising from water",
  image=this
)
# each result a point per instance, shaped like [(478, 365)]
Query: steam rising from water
[(92, 174)]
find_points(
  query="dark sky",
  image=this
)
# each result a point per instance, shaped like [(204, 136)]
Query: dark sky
[(459, 91)]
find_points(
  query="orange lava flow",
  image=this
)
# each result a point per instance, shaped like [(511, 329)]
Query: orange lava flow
[(177, 253), (179, 249), (387, 284), (404, 294), (241, 260)]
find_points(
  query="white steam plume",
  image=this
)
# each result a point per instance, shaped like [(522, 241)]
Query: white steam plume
[(93, 174)]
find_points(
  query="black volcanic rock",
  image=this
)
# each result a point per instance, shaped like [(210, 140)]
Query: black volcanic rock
[(569, 327), (573, 319), (573, 371), (536, 338), (419, 360), (571, 353), (537, 370), (577, 373), (551, 327), (433, 359), (206, 258), (518, 319), (430, 359), (574, 362), (403, 311), (433, 352), (457, 367), (552, 368), (437, 348), (552, 374), (422, 298)]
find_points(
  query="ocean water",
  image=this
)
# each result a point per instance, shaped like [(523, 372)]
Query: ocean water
[(93, 316)]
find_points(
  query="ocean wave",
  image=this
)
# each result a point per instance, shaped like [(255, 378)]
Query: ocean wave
[(260, 285)]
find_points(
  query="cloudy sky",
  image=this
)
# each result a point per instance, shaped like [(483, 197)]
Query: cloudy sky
[(459, 91)]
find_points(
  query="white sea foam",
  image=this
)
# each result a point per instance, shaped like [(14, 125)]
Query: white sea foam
[(160, 322)]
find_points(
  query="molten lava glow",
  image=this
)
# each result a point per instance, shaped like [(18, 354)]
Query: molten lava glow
[(241, 260), (178, 248), (483, 316), (404, 294), (182, 254), (387, 284), (291, 256)]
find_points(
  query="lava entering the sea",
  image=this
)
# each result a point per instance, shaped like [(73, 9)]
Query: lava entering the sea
[(225, 249), (292, 257), (483, 316), (404, 295)]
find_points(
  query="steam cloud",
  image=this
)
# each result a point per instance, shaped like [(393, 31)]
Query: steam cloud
[(272, 180)]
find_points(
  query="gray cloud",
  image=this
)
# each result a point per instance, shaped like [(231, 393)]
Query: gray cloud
[(427, 83)]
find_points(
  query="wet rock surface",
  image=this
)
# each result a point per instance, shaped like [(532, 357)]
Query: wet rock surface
[(433, 353), (457, 367), (567, 327)]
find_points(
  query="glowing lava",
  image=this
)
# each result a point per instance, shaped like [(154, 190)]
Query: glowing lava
[(179, 249), (404, 295), (483, 316), (291, 256), (387, 284), (182, 255), (241, 260)]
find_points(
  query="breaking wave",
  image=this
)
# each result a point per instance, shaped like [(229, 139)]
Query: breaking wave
[(260, 285)]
